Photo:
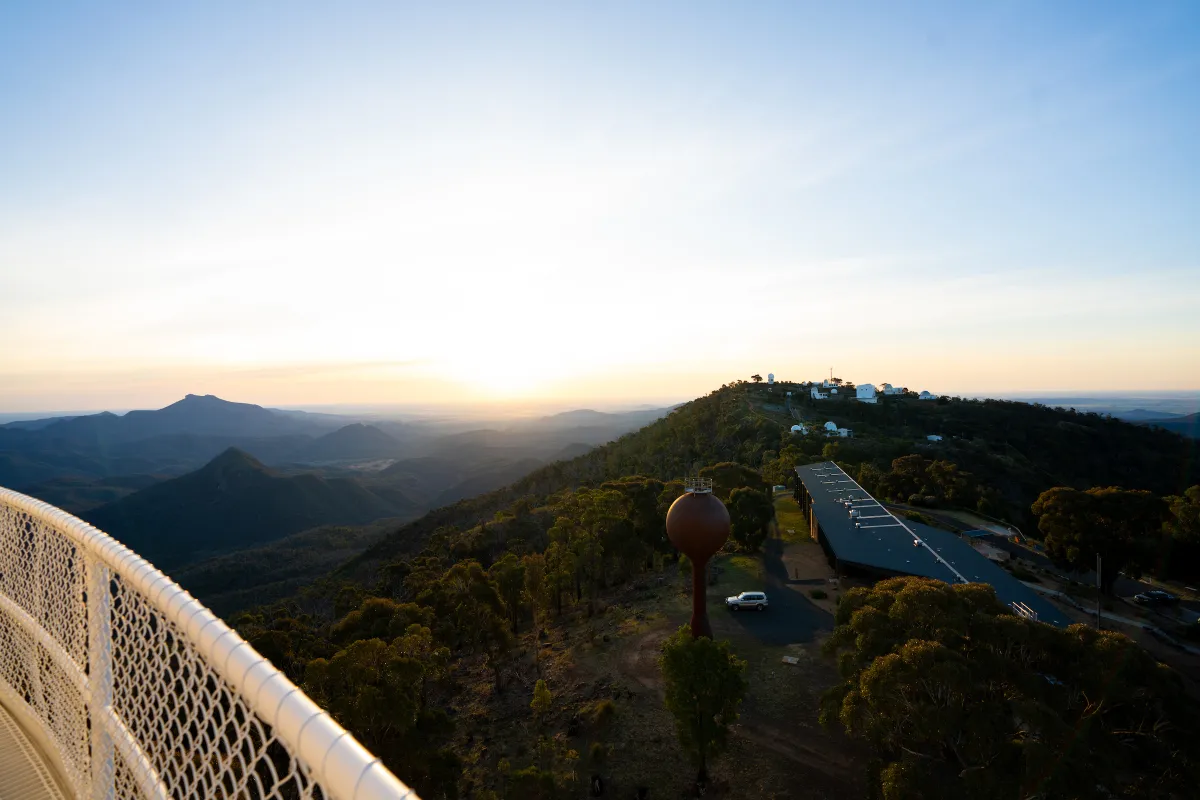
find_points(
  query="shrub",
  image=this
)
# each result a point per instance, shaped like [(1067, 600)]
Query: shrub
[(818, 594), (600, 711), (1022, 574), (541, 699)]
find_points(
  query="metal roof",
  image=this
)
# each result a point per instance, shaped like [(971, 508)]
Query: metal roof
[(887, 543)]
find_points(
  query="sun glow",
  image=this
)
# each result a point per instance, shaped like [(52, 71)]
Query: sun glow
[(497, 377)]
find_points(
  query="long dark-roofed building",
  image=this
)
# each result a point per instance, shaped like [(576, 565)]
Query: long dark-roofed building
[(859, 534)]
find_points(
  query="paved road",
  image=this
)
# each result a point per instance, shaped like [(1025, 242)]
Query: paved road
[(1123, 587), (791, 618)]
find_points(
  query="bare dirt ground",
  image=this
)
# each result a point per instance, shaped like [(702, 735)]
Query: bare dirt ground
[(777, 749)]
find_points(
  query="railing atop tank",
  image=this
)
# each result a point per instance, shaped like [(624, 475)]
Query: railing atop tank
[(133, 689), (697, 485)]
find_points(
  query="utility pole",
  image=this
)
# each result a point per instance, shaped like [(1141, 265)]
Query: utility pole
[(1098, 627)]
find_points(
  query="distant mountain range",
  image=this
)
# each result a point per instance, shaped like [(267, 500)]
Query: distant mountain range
[(195, 414), (205, 477), (1143, 415), (1188, 426), (86, 451)]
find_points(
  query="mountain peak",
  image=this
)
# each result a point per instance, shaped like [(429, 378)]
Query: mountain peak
[(206, 400)]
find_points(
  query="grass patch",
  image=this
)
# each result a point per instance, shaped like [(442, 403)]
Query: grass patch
[(740, 570), (789, 516)]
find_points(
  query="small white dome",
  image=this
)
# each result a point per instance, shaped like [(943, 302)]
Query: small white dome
[(831, 426)]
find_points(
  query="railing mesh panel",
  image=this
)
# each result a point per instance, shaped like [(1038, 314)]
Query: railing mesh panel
[(179, 728), (200, 737)]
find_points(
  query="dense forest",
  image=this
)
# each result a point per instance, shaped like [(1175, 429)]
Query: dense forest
[(460, 601)]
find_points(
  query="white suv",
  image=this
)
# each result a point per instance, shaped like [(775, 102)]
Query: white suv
[(755, 600)]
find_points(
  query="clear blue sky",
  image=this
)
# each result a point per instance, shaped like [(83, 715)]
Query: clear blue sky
[(305, 203)]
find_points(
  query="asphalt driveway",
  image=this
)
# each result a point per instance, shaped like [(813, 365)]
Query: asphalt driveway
[(791, 617)]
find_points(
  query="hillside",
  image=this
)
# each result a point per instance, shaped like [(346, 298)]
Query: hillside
[(232, 502), (1188, 426), (435, 481), (588, 535), (277, 569), (78, 495), (356, 441), (1016, 450)]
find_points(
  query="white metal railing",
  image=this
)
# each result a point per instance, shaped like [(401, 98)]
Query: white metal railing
[(133, 689)]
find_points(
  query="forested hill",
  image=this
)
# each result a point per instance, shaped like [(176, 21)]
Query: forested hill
[(479, 589), (234, 501), (1012, 450)]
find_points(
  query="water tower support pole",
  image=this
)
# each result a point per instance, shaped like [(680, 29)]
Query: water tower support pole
[(700, 626)]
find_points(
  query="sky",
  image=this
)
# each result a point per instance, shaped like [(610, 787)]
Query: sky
[(309, 203)]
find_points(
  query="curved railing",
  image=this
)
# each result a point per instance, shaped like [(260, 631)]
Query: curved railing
[(133, 689)]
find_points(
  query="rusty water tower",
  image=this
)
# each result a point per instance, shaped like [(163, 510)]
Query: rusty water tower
[(698, 524)]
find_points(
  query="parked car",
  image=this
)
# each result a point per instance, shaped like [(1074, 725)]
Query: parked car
[(1156, 597), (755, 600)]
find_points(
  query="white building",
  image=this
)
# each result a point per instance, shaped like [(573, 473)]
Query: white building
[(889, 389), (770, 377), (865, 393), (817, 394), (801, 429), (845, 433), (831, 427), (833, 391), (933, 437), (926, 396)]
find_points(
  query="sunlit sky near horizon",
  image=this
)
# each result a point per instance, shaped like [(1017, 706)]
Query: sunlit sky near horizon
[(385, 203)]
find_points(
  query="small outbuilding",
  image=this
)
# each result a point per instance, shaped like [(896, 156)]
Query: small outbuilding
[(801, 429), (926, 396), (865, 393)]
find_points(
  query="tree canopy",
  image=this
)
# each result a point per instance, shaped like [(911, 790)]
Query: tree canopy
[(750, 514), (705, 683), (959, 698), (1119, 525)]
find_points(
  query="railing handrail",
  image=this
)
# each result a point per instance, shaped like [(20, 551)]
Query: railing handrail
[(342, 767)]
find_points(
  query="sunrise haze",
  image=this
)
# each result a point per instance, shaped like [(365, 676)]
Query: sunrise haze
[(376, 203)]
